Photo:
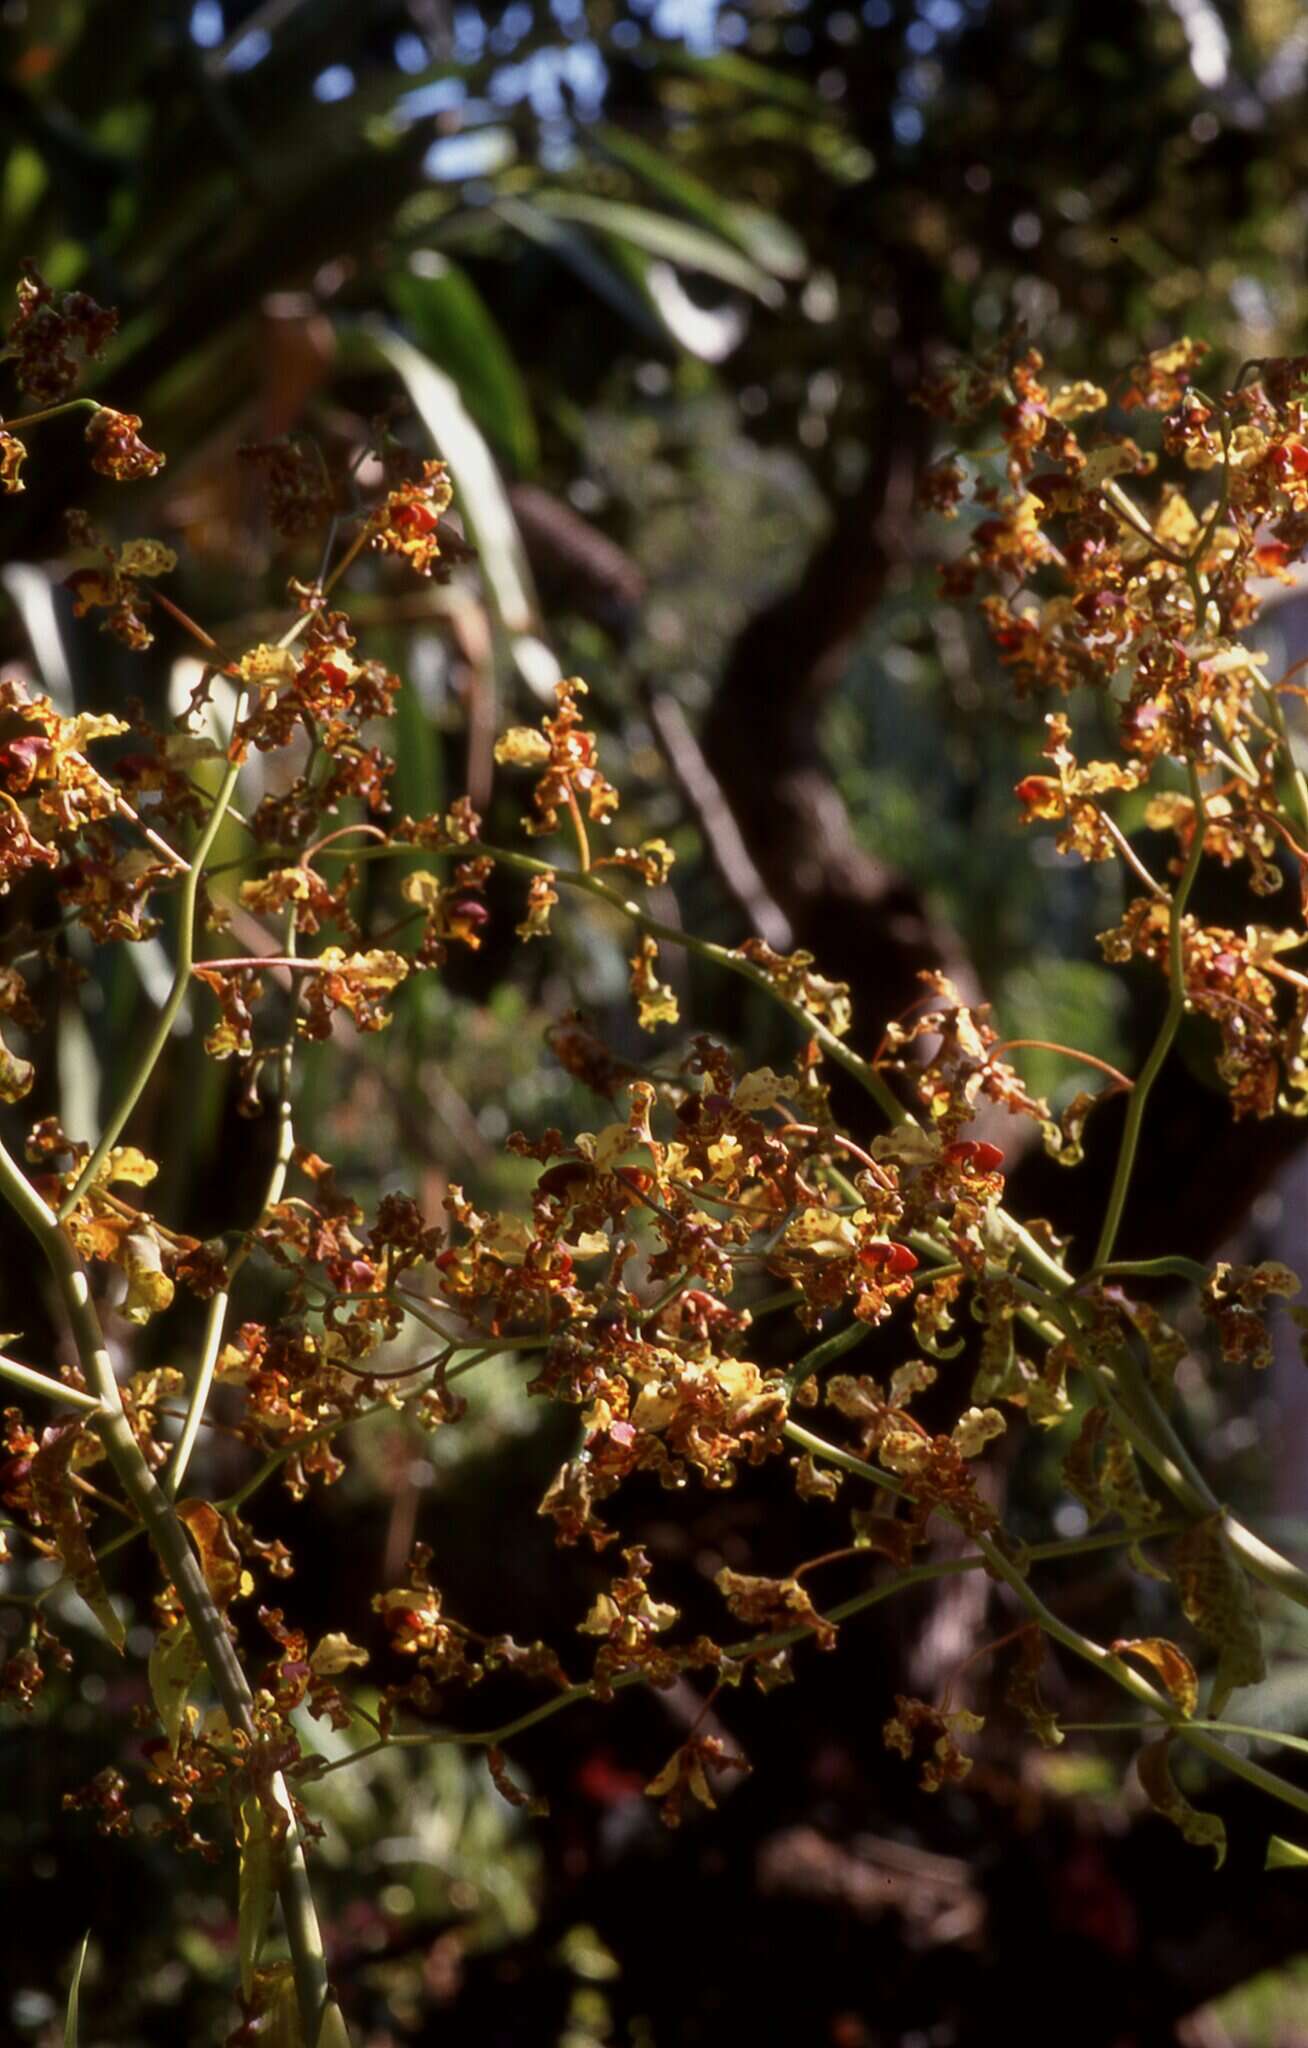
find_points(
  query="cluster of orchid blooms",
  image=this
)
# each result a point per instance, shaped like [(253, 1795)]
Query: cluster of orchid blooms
[(707, 1198)]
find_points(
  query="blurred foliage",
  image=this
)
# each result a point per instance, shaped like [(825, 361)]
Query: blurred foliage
[(672, 264)]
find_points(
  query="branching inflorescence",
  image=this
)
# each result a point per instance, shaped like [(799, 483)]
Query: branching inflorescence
[(654, 1245)]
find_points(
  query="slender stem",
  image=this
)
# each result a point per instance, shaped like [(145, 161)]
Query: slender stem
[(1169, 1268), (1168, 1455), (1071, 1052), (152, 838), (181, 1566), (835, 1455), (1162, 1045), (741, 1653), (217, 1316), (1128, 852), (722, 956), (1090, 1652), (1298, 781), (189, 897), (290, 962), (1125, 510), (826, 1353), (41, 1383), (186, 622), (157, 1040), (579, 829), (52, 412)]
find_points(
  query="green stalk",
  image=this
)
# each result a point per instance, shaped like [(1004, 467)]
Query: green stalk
[(34, 1382), (217, 1316), (52, 412), (739, 1653), (1157, 1439), (152, 1050), (1298, 782), (1162, 1045), (180, 1565), (1090, 1652)]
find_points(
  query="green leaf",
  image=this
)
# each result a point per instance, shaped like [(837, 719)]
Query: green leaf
[(175, 1664), (575, 249), (256, 1885), (771, 242), (273, 2006), (418, 786), (658, 234), (333, 2033), (1283, 1855), (74, 1995), (1154, 1770), (744, 74), (758, 235), (481, 497), (1217, 1599), (452, 324)]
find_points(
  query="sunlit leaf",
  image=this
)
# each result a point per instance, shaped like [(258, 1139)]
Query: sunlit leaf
[(481, 496), (455, 329), (74, 1995), (579, 253), (220, 1560), (257, 1884), (1283, 1855), (728, 67), (1172, 1665), (757, 234), (659, 234), (272, 2003), (1217, 1598), (175, 1664), (333, 2033)]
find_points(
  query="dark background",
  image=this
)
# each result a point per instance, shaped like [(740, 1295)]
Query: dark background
[(681, 267)]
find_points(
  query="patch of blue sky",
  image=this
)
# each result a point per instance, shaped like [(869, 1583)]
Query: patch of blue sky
[(411, 53), (470, 34), (441, 96), (542, 78), (453, 158), (207, 24), (335, 83), (251, 49), (692, 22)]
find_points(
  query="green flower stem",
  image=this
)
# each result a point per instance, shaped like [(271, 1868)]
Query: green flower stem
[(52, 412), (721, 956), (1162, 1045), (151, 1052), (189, 893), (1090, 1652), (34, 1382), (1166, 1452), (1148, 1269), (217, 1316), (826, 1353), (738, 1653), (1298, 781), (180, 1565), (818, 1447), (1150, 1430)]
